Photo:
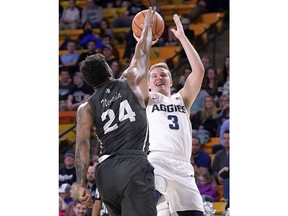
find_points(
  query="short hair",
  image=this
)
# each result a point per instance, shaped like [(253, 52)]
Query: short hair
[(196, 137), (161, 65), (95, 70)]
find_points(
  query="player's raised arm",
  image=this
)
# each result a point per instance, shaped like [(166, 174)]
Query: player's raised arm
[(193, 82), (139, 65)]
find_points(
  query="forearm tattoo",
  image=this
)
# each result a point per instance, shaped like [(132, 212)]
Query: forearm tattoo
[(80, 168)]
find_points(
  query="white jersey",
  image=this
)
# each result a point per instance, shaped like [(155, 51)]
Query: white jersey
[(169, 114), (170, 137)]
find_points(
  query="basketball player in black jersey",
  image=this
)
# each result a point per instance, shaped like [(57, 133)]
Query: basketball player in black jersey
[(124, 177)]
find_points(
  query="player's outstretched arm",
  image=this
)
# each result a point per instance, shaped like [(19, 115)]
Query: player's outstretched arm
[(193, 83), (84, 127), (136, 73)]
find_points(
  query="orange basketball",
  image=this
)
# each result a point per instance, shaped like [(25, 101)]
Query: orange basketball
[(157, 26)]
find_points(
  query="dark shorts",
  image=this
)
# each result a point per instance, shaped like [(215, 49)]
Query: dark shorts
[(126, 184)]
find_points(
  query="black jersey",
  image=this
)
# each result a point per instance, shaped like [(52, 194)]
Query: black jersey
[(121, 122)]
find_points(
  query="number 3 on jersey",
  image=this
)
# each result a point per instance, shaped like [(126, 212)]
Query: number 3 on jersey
[(174, 119), (125, 112)]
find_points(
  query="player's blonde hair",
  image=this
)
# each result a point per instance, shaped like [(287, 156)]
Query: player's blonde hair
[(162, 65)]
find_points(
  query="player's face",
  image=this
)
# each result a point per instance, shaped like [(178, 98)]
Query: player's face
[(80, 209), (160, 81)]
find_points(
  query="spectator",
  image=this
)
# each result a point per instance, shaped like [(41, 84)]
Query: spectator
[(223, 73), (107, 40), (73, 191), (211, 84), (65, 86), (129, 47), (107, 51), (220, 167), (116, 68), (64, 192), (183, 77), (199, 101), (88, 35), (79, 209), (224, 127), (105, 29), (205, 119), (93, 13), (132, 10), (70, 18), (79, 94), (206, 187), (91, 186), (62, 206), (70, 59), (206, 61), (200, 160), (223, 111), (91, 50), (67, 174)]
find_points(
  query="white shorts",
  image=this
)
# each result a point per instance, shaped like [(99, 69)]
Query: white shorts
[(174, 178)]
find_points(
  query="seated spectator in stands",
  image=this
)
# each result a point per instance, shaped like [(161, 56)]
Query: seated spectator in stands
[(206, 61), (223, 72), (220, 167), (80, 93), (205, 119), (73, 191), (70, 18), (206, 187), (223, 111), (200, 159), (106, 29), (70, 60), (211, 84), (132, 10), (91, 186), (91, 50), (199, 101), (107, 51), (65, 86), (107, 40), (187, 70), (62, 206), (64, 192), (67, 174), (116, 68), (93, 13), (88, 35), (79, 209), (130, 46)]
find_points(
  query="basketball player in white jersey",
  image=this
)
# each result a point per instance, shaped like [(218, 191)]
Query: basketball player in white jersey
[(171, 133)]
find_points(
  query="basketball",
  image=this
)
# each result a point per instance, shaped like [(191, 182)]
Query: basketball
[(157, 26)]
